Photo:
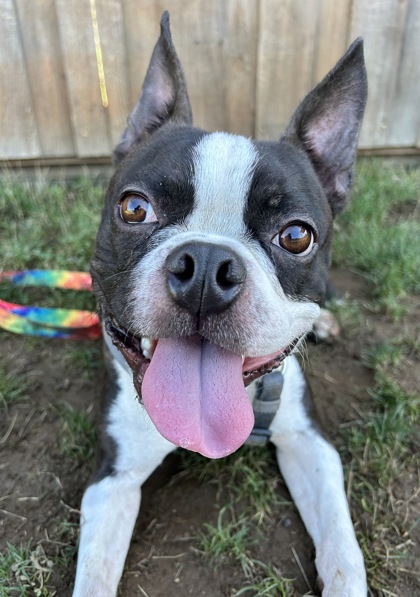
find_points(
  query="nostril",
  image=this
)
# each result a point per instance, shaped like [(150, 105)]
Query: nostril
[(230, 273), (187, 271), (223, 277), (183, 268)]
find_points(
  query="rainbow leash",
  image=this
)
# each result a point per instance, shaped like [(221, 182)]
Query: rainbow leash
[(69, 324)]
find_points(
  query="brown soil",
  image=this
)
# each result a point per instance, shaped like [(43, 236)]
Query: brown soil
[(41, 487)]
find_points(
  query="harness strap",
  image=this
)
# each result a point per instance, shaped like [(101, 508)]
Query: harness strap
[(265, 405)]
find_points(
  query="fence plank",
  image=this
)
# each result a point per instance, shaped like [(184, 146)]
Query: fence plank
[(199, 34), (382, 24), (141, 21), (332, 35), (240, 55), (19, 135), (405, 108), (88, 116), (41, 43), (112, 35), (287, 43)]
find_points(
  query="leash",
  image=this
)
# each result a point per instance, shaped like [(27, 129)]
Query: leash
[(69, 324)]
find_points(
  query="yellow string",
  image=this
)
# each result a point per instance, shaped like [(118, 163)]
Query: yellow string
[(98, 52)]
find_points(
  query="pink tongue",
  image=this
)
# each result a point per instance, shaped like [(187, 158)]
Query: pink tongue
[(194, 394)]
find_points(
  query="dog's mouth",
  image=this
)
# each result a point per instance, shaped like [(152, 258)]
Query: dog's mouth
[(193, 389)]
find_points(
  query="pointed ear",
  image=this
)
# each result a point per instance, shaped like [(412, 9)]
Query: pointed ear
[(327, 124), (163, 98)]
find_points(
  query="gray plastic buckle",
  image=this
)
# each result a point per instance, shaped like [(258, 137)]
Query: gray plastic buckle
[(266, 404)]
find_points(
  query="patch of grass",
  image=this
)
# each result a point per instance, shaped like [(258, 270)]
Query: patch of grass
[(85, 358), (25, 572), (232, 540), (251, 480), (378, 233), (67, 535), (269, 583), (228, 539), (78, 436), (385, 355), (379, 449), (250, 476), (13, 387), (48, 226)]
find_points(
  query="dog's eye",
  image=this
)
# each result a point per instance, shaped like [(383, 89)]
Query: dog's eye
[(135, 209), (296, 238)]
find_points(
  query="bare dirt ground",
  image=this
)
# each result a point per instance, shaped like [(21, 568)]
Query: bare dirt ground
[(41, 487)]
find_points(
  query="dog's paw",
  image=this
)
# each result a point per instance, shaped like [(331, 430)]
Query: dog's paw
[(326, 326)]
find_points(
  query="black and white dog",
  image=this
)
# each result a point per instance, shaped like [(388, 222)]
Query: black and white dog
[(211, 260)]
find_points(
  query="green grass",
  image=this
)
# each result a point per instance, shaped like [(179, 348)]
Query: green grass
[(13, 387), (250, 476), (25, 572), (85, 358), (227, 539), (379, 450), (378, 233), (270, 583), (48, 227), (78, 435), (232, 540)]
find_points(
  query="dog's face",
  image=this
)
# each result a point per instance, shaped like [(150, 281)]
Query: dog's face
[(213, 251)]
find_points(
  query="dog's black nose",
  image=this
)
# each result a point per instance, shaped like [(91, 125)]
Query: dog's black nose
[(204, 278)]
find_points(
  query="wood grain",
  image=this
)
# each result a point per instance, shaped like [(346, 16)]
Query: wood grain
[(41, 45), (19, 134), (89, 119)]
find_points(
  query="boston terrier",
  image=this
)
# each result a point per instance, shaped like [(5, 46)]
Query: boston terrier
[(211, 261)]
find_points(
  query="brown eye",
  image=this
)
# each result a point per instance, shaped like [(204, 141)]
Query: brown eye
[(295, 238), (135, 209)]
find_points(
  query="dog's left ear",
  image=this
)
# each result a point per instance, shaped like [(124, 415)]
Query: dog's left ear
[(327, 124), (163, 98)]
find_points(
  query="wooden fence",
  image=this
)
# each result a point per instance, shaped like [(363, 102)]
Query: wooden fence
[(70, 70)]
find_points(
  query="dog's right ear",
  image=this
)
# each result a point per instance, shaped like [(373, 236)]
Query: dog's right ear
[(163, 98)]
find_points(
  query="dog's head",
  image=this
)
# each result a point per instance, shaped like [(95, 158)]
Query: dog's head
[(213, 251)]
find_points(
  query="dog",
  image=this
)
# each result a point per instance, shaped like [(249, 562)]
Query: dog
[(211, 261)]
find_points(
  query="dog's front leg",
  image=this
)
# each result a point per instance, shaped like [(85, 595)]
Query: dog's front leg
[(312, 470), (109, 512), (111, 503)]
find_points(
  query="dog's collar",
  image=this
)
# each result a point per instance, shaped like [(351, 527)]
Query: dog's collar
[(265, 405)]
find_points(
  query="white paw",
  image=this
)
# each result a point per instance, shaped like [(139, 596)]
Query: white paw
[(326, 326)]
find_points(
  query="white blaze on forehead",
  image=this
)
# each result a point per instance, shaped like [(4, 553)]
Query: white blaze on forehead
[(223, 169)]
